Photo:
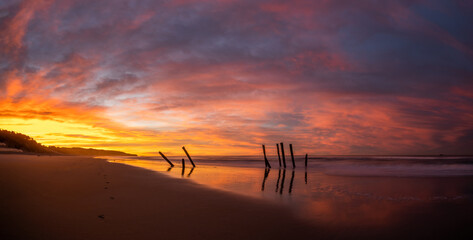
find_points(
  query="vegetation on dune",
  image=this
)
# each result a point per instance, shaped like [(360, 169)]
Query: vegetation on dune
[(22, 141), (26, 143)]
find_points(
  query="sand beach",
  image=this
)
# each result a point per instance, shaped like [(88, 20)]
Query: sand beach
[(64, 197), (72, 197)]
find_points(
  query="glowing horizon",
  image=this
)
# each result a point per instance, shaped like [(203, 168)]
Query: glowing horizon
[(224, 77)]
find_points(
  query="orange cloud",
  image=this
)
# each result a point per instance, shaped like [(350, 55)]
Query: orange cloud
[(223, 78)]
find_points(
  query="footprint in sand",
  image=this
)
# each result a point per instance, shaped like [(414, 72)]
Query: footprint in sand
[(101, 216), (112, 198)]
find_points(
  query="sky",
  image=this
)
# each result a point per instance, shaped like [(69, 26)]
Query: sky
[(223, 77)]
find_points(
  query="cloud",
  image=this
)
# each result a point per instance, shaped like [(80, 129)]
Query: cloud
[(333, 77)]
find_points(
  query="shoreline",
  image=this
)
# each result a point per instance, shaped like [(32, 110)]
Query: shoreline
[(64, 197)]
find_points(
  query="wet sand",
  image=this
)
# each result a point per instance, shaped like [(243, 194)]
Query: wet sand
[(84, 198)]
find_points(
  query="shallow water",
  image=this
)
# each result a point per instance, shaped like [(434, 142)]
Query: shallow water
[(383, 191)]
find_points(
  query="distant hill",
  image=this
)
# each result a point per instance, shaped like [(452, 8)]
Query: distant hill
[(28, 144)]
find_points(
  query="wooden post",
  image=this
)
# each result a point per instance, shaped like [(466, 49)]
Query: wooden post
[(183, 163), (266, 162), (292, 156), (264, 156), (167, 160), (279, 156), (306, 160), (283, 155), (188, 156)]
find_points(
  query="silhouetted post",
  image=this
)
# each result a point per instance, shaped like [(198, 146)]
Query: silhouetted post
[(282, 181), (266, 162), (167, 160), (183, 167), (283, 155), (292, 156), (188, 156), (306, 160), (292, 181), (279, 156), (264, 156)]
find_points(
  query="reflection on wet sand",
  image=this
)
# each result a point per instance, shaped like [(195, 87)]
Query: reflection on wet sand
[(305, 176), (190, 172), (266, 173), (279, 177), (282, 181), (381, 202), (291, 184)]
